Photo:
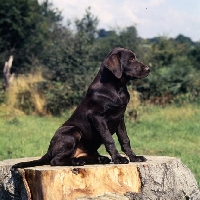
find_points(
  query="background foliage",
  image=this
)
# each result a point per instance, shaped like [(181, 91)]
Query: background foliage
[(69, 56), (54, 64)]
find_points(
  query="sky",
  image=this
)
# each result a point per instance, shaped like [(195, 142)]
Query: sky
[(152, 18)]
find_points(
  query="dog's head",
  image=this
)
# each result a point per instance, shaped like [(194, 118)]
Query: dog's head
[(123, 62)]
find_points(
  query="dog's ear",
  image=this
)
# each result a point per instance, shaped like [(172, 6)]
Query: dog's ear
[(114, 65)]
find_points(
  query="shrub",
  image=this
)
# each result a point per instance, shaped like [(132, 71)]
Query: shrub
[(23, 94)]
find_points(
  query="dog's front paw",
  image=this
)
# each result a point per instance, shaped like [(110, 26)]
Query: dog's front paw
[(138, 159), (120, 160)]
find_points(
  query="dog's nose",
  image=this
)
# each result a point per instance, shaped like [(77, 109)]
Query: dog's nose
[(146, 68)]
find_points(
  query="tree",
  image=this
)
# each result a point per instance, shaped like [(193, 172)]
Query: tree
[(70, 63), (25, 29), (194, 56), (182, 39), (171, 70), (107, 40)]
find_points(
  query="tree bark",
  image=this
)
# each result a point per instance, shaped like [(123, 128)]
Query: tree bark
[(160, 178), (7, 74)]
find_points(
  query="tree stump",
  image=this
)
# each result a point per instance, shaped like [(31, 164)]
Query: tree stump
[(165, 178)]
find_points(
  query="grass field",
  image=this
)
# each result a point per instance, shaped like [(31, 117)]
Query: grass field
[(169, 131)]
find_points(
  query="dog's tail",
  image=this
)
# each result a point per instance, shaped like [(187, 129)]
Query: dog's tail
[(44, 160)]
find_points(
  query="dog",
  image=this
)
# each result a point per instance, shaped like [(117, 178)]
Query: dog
[(98, 116)]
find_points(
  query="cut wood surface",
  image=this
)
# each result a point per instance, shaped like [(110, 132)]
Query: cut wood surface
[(158, 178)]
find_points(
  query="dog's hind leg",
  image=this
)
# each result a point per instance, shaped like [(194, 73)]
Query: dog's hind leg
[(65, 145), (68, 150)]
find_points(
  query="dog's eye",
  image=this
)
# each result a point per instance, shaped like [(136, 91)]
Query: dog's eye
[(132, 59)]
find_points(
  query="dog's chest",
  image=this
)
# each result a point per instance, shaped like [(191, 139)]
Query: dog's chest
[(115, 113), (114, 117), (122, 99)]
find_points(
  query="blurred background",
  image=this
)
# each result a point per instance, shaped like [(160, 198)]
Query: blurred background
[(58, 46), (50, 51)]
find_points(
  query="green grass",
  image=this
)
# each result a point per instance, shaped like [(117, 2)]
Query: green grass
[(170, 131), (22, 135)]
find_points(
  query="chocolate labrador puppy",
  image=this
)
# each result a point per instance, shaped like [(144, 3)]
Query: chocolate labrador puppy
[(99, 115)]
